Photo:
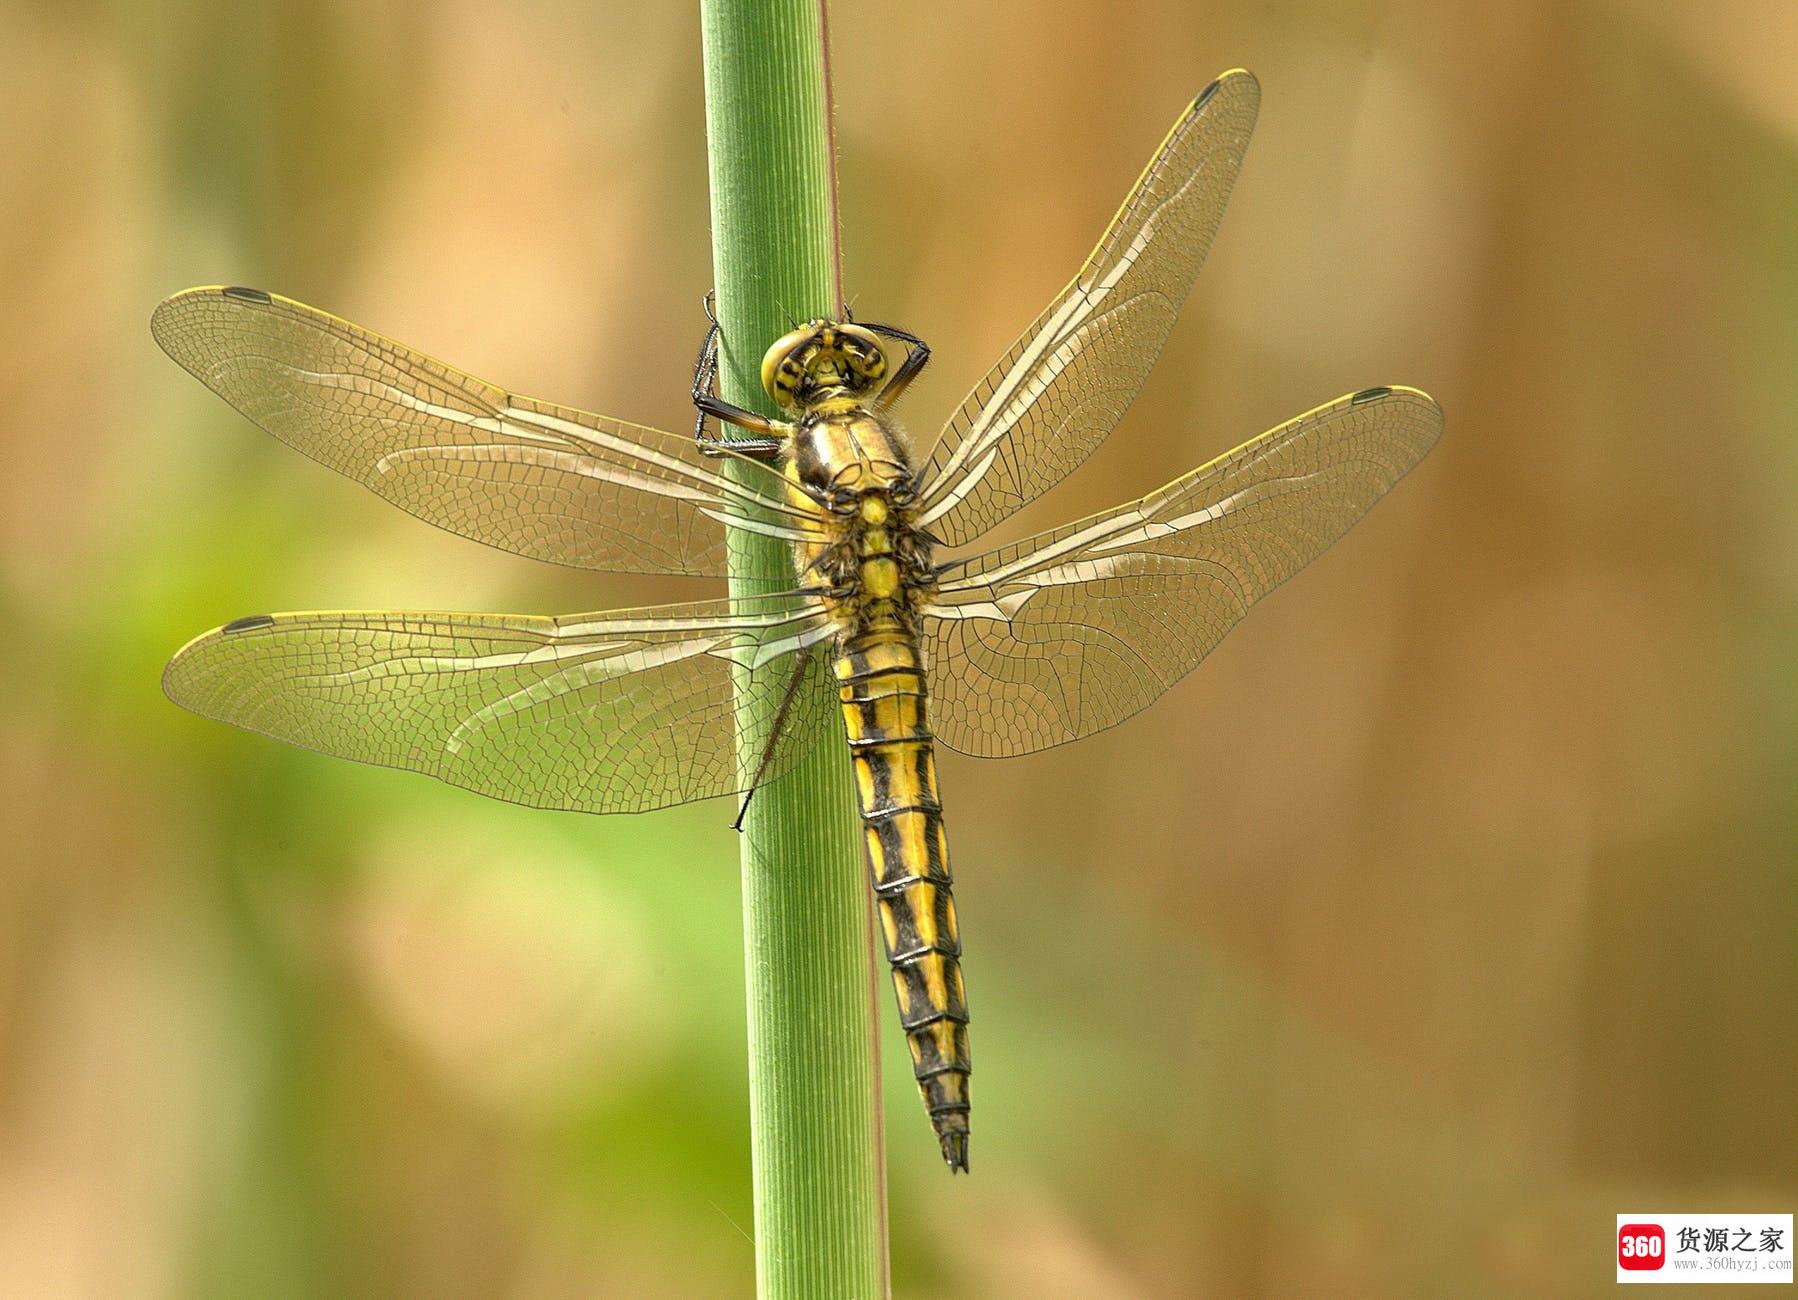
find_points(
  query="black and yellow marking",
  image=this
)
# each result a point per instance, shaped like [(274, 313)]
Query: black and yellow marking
[(880, 680)]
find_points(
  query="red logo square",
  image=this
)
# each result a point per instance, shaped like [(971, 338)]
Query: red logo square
[(1641, 1246)]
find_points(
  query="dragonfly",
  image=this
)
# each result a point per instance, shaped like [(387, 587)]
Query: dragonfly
[(999, 652)]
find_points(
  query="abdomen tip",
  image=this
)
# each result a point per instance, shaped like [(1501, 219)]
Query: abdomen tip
[(955, 1152)]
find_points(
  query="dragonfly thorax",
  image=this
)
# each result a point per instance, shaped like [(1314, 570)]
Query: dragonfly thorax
[(854, 463), (838, 456), (820, 361)]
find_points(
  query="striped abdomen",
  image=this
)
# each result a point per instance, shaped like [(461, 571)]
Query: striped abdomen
[(882, 685)]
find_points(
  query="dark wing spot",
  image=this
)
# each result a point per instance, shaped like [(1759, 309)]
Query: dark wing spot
[(1369, 395), (249, 295), (1206, 94), (248, 624)]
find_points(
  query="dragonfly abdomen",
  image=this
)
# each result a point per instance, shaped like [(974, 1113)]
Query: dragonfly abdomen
[(880, 677)]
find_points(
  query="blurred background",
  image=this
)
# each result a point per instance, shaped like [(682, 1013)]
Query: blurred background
[(1446, 912)]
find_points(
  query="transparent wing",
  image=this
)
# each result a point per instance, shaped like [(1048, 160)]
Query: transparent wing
[(539, 480), (1068, 379), (615, 712), (1074, 630)]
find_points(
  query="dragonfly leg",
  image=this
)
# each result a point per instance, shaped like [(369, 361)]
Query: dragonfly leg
[(917, 356), (780, 722), (705, 375)]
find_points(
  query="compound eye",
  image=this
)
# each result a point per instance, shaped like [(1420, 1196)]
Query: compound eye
[(873, 364), (782, 374), (862, 350)]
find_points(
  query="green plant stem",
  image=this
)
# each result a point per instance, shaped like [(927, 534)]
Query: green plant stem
[(820, 1212)]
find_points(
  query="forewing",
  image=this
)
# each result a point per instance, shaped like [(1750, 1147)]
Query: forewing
[(1074, 630), (1068, 379), (615, 712), (539, 480)]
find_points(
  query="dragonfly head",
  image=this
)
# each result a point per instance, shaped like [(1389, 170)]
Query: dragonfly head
[(822, 358)]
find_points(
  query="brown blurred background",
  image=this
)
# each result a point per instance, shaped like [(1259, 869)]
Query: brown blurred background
[(1447, 911)]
